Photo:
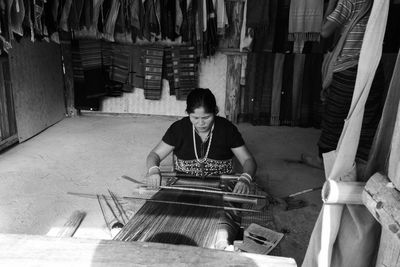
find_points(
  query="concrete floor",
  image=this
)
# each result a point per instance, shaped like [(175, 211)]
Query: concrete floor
[(89, 154)]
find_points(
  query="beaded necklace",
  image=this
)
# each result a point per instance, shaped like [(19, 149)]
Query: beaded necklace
[(204, 159)]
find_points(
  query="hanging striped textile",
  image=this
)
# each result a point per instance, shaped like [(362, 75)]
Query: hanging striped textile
[(187, 72), (285, 115), (276, 89), (168, 70), (136, 69), (297, 88), (153, 61), (120, 63)]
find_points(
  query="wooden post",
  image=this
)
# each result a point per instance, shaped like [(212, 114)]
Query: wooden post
[(68, 76), (232, 99), (383, 202)]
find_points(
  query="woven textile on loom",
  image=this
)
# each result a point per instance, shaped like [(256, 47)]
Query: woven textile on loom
[(153, 61), (175, 224)]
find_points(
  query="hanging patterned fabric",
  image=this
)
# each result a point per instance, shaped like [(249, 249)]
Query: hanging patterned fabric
[(168, 69), (17, 14), (264, 37), (4, 26), (38, 6), (210, 35), (111, 19), (80, 90), (281, 42), (312, 85), (75, 14), (168, 17), (27, 23), (137, 18), (153, 61), (187, 72), (136, 68), (305, 22), (119, 71), (63, 24), (277, 89), (151, 27), (122, 26), (93, 31), (285, 115), (87, 15), (259, 86), (95, 75)]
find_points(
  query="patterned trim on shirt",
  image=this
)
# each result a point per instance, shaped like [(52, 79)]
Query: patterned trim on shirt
[(211, 167)]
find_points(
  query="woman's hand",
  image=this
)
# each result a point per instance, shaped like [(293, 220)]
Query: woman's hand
[(242, 187), (153, 178)]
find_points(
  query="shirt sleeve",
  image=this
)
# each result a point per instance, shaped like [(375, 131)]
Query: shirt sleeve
[(236, 139), (342, 12), (170, 136)]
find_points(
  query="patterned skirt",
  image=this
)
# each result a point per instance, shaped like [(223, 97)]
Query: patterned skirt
[(337, 106)]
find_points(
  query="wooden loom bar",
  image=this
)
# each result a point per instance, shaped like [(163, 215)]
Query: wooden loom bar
[(31, 250), (210, 191), (169, 202), (184, 175), (192, 204)]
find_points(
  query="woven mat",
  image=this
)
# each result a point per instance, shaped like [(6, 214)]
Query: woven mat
[(264, 218)]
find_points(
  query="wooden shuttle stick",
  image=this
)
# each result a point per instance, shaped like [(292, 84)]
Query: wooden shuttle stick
[(210, 191)]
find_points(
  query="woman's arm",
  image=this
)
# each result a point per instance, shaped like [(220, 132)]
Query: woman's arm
[(249, 169), (246, 159), (153, 161)]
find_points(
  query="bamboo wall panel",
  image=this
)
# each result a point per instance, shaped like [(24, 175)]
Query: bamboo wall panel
[(211, 75), (38, 88)]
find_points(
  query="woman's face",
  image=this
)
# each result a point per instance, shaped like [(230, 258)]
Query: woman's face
[(201, 120)]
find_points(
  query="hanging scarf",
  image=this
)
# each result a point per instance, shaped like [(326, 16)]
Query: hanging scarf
[(305, 21)]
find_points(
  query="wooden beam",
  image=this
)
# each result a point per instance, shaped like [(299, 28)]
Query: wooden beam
[(383, 202), (30, 250), (232, 99)]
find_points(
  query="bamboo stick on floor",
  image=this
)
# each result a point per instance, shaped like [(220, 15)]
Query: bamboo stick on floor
[(72, 224)]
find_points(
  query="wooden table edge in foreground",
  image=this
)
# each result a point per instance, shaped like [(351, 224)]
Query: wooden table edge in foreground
[(34, 250)]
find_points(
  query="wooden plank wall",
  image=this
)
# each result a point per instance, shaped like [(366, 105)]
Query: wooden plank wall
[(38, 88)]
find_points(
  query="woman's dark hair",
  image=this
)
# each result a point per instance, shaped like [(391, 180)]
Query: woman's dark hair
[(201, 97)]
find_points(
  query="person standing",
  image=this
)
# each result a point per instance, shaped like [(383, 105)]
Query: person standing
[(349, 18)]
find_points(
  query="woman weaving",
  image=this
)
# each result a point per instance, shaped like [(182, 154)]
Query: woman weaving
[(204, 144)]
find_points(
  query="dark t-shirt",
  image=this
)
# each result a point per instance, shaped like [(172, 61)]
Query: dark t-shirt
[(225, 137), (219, 160)]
